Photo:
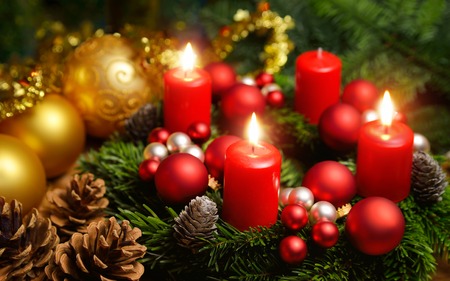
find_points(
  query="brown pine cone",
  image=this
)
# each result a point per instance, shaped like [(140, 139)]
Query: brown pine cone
[(79, 204), (26, 246), (108, 251)]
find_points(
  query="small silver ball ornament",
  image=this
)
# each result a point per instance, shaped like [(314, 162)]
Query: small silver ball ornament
[(322, 210), (177, 141), (248, 80), (421, 143), (155, 150), (194, 150), (303, 196), (369, 115), (270, 88), (283, 197)]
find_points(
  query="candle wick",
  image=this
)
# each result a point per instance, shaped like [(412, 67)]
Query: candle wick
[(253, 149), (319, 53), (386, 129), (185, 74)]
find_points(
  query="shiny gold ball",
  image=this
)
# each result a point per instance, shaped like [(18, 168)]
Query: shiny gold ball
[(106, 82), (22, 176), (53, 129)]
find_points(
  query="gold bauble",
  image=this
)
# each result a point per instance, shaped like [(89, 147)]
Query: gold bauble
[(105, 80), (22, 176), (53, 129)]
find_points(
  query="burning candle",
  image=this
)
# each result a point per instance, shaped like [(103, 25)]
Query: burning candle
[(317, 83), (187, 95), (251, 182), (384, 159)]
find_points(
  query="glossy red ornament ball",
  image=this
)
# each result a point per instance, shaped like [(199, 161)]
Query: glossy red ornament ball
[(275, 99), (293, 249), (330, 181), (263, 79), (222, 75), (158, 134), (181, 177), (147, 169), (375, 225), (400, 117), (215, 154), (339, 127), (199, 132), (325, 234), (294, 217), (361, 94)]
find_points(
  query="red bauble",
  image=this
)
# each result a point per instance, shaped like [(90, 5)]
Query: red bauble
[(375, 225), (294, 217), (339, 127), (181, 177), (263, 79), (400, 117), (361, 94), (330, 181), (147, 169), (275, 99), (215, 155), (222, 75), (325, 234), (199, 132), (293, 249), (158, 135)]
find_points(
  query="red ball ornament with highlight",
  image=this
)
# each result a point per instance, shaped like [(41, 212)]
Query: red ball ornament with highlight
[(181, 177), (215, 155), (375, 225), (293, 250), (339, 127), (199, 132), (325, 234), (361, 94), (222, 75), (294, 217), (158, 135), (147, 169), (330, 181), (275, 99), (263, 79)]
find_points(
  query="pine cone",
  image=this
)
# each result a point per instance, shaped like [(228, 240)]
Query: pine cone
[(428, 181), (141, 123), (108, 251), (26, 246), (79, 204), (198, 220)]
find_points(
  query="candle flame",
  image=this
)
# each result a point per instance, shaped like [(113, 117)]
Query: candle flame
[(188, 58), (253, 130), (386, 110)]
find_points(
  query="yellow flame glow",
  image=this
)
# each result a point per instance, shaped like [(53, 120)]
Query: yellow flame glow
[(188, 58), (386, 110), (253, 130)]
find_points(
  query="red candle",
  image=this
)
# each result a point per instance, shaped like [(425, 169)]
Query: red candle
[(384, 159), (251, 183), (187, 95), (317, 83)]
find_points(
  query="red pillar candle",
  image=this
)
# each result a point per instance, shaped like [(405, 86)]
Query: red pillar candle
[(317, 83), (384, 157), (251, 183), (187, 95)]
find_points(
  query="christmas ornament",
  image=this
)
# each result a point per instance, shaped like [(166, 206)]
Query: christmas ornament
[(158, 134), (138, 126), (375, 225), (222, 75), (272, 87), (199, 132), (147, 169), (369, 115), (53, 129), (400, 117), (177, 141), (194, 150), (294, 217), (215, 155), (181, 177), (330, 181), (339, 127), (155, 150), (325, 234), (264, 78), (293, 250), (108, 251), (275, 99), (104, 78), (21, 172), (428, 180), (74, 207), (27, 244), (283, 197), (197, 220), (361, 94), (421, 143), (302, 196), (322, 211), (248, 80)]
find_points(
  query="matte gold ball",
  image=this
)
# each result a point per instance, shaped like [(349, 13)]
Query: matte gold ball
[(53, 129), (22, 176), (105, 80)]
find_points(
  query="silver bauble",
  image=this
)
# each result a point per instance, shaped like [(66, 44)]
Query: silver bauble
[(248, 80), (303, 196), (155, 150), (283, 197), (369, 115), (194, 150), (322, 210), (421, 143), (177, 141), (270, 88)]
